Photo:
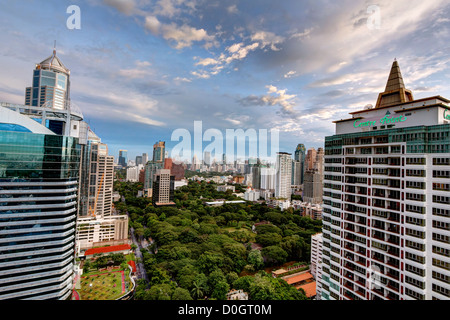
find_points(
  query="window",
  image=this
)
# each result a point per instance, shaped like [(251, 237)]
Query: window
[(441, 290), (441, 277), (441, 251), (415, 233), (415, 245), (414, 294), (441, 264), (441, 237), (414, 257), (415, 270), (441, 161), (415, 221), (415, 173), (441, 225), (415, 184), (441, 212), (441, 174), (415, 209), (419, 161), (441, 199), (441, 186), (415, 197), (415, 282)]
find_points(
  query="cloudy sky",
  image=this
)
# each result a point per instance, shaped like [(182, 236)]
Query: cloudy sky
[(141, 69)]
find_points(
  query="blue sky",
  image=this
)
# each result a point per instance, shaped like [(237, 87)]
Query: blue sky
[(141, 69)]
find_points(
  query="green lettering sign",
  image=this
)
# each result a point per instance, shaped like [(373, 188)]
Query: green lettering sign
[(385, 120), (446, 116)]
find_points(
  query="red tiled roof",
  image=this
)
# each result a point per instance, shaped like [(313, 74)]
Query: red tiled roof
[(298, 278), (310, 289), (107, 249), (133, 265)]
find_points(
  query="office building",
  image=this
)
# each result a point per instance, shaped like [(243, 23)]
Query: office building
[(159, 152), (207, 158), (50, 86), (310, 160), (283, 176), (163, 188), (144, 158), (298, 165), (40, 150), (251, 194), (123, 158), (313, 187), (386, 208)]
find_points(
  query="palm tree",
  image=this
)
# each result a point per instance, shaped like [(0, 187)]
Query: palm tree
[(197, 290)]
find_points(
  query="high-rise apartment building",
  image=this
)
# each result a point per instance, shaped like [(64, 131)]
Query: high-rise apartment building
[(283, 177), (386, 211), (316, 262)]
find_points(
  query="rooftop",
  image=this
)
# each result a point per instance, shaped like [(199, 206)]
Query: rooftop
[(109, 249)]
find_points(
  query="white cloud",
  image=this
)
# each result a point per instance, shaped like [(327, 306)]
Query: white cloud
[(180, 79), (267, 39), (127, 7), (290, 74), (152, 24), (185, 35), (232, 9), (140, 71)]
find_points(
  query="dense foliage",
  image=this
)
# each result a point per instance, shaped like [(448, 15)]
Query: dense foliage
[(201, 251)]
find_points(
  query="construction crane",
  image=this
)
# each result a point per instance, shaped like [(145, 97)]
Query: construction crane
[(96, 198)]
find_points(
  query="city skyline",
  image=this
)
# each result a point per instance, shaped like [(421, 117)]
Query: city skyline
[(173, 63)]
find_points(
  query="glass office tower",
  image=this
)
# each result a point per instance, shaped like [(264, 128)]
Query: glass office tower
[(51, 84), (38, 207)]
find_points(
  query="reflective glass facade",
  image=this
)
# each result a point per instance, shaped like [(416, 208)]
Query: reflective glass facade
[(38, 208)]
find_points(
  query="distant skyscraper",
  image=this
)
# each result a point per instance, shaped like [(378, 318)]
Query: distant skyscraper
[(310, 159), (283, 180), (159, 152), (207, 158), (123, 158), (51, 84), (298, 165), (300, 153), (144, 158), (138, 160)]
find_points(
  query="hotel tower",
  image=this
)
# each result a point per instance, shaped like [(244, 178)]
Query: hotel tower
[(386, 211)]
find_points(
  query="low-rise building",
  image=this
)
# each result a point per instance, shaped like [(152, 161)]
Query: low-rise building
[(237, 295)]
